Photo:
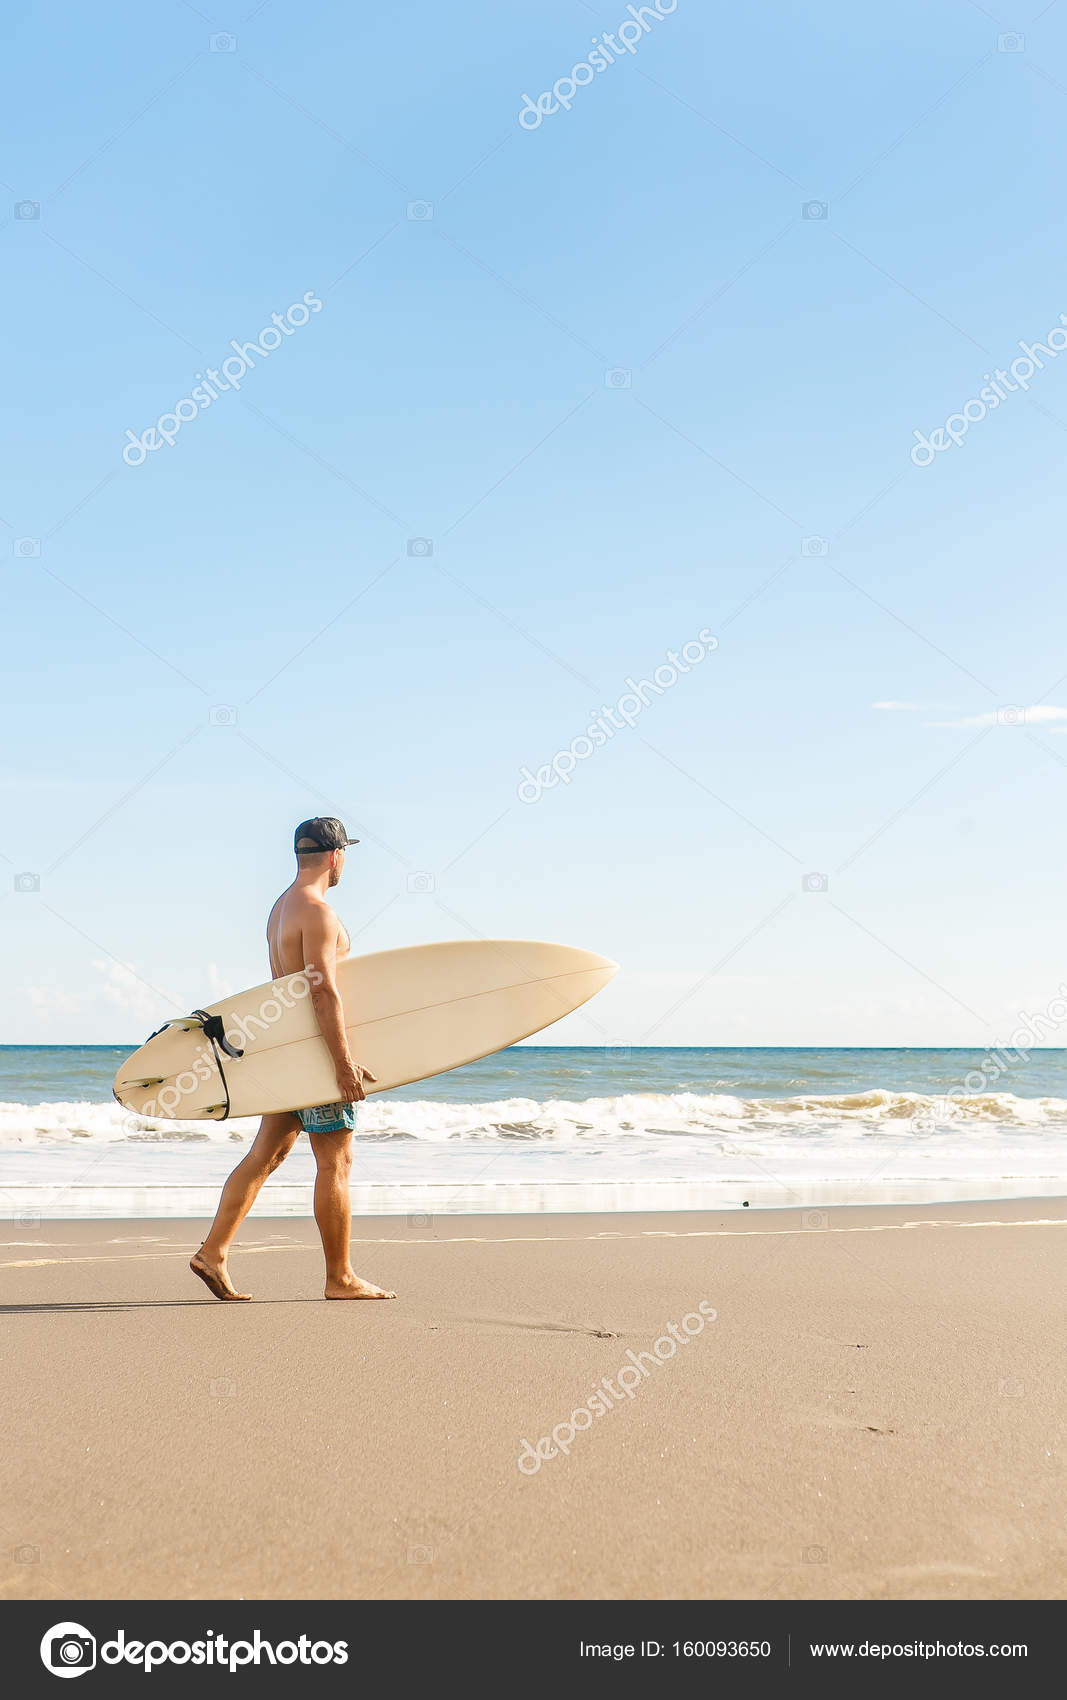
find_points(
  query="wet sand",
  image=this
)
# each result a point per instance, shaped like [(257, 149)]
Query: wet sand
[(876, 1411)]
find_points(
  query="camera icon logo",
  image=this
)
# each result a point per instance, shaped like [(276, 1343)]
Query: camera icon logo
[(223, 43), (419, 211), (815, 1219), (222, 715), (27, 882), (26, 548), (619, 1053), (815, 1555), (815, 209), (419, 885), (221, 1387), (815, 882), (29, 1218), (27, 1555), (617, 378), (814, 546), (68, 1649), (27, 209), (420, 1555), (419, 1220), (1011, 43), (420, 548), (1010, 1389), (1011, 715)]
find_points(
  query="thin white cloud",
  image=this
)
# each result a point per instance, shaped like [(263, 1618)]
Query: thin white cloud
[(124, 989), (1011, 714), (221, 987), (48, 1001), (914, 707)]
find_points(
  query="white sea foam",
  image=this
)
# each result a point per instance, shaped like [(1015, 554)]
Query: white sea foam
[(105, 1124), (680, 1150), (649, 1116)]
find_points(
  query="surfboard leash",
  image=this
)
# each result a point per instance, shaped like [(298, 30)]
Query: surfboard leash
[(215, 1032)]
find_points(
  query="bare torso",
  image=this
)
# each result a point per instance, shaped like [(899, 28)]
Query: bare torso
[(285, 931)]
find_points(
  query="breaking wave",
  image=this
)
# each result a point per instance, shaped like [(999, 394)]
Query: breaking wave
[(710, 1117)]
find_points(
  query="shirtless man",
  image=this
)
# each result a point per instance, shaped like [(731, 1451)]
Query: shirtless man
[(305, 935)]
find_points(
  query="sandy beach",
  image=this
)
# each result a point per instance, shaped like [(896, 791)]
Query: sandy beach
[(876, 1410)]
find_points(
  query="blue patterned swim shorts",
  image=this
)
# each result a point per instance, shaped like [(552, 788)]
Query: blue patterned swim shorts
[(328, 1118)]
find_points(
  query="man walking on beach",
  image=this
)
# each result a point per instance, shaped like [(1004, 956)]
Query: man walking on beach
[(305, 936)]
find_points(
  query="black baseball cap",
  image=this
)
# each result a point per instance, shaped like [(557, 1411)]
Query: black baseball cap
[(324, 832)]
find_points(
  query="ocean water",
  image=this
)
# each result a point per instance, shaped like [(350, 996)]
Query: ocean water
[(569, 1128)]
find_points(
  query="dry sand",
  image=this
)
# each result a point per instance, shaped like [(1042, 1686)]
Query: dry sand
[(877, 1412)]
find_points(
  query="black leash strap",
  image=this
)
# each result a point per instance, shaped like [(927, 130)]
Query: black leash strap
[(215, 1033)]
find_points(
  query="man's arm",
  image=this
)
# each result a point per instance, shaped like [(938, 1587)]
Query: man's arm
[(320, 964)]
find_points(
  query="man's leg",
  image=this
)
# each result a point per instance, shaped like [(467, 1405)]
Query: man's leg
[(272, 1144), (333, 1213)]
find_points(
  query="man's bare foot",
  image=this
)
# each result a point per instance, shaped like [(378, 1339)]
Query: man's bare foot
[(351, 1287), (214, 1276)]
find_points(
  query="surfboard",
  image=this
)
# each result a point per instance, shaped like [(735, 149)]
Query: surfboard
[(409, 1013)]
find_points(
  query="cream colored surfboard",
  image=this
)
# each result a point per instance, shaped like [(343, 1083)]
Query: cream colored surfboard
[(409, 1013)]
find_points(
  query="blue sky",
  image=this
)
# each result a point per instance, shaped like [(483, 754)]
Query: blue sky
[(629, 392)]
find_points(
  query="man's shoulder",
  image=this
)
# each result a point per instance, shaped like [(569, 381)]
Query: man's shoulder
[(317, 909), (303, 907)]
